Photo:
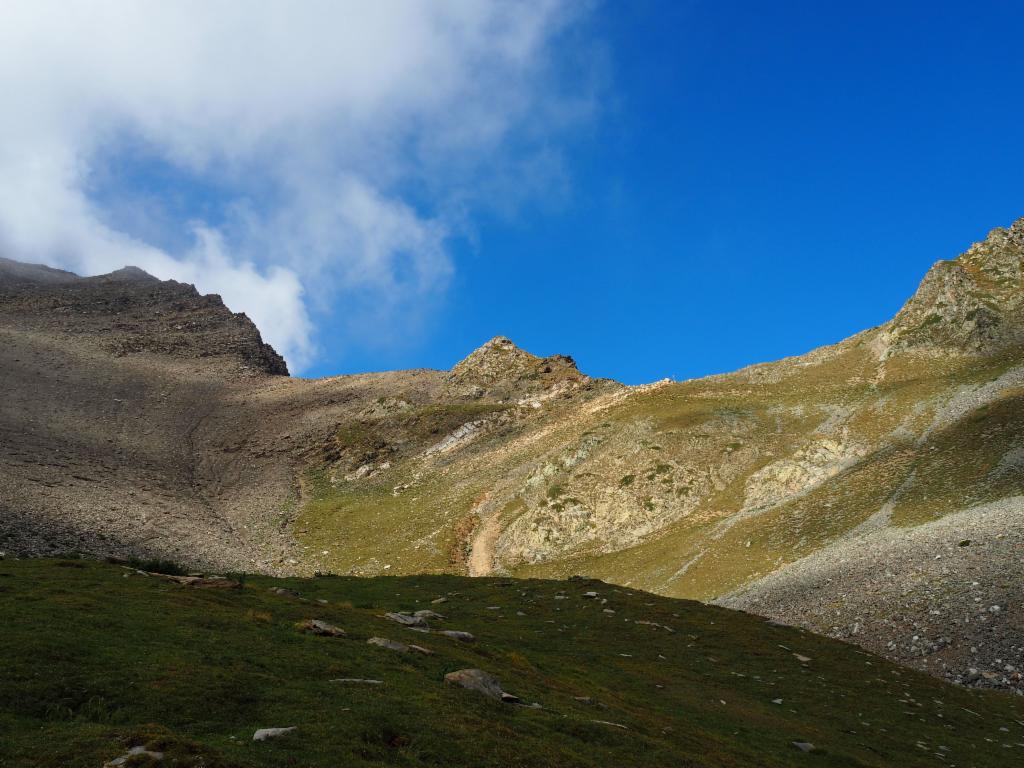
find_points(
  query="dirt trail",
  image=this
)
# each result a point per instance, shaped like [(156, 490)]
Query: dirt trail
[(481, 554)]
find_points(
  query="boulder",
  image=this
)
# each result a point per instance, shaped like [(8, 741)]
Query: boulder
[(272, 733), (322, 628), (134, 752), (476, 680), (391, 645), (465, 637), (427, 615)]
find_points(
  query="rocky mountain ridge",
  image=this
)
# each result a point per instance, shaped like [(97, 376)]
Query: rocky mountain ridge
[(795, 488), (129, 311)]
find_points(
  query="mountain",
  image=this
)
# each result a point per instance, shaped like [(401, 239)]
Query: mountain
[(872, 490)]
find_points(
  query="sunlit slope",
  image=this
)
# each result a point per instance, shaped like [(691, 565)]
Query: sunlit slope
[(711, 488), (689, 489)]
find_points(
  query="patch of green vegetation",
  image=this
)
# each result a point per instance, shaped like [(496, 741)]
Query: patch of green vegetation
[(367, 439), (358, 523), (626, 480), (96, 662)]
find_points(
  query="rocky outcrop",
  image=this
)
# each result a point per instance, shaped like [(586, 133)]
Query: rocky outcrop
[(822, 458), (974, 303), (501, 370), (129, 312)]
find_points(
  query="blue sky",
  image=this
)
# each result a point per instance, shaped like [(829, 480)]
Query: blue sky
[(762, 180), (656, 188)]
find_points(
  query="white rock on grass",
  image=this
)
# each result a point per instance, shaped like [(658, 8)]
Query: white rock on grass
[(134, 752), (322, 628), (272, 733), (465, 637), (391, 645), (476, 680), (427, 615)]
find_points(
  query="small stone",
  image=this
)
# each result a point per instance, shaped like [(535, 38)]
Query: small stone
[(427, 615), (322, 628), (802, 659), (134, 752), (272, 733), (476, 680), (776, 701), (406, 619), (590, 595), (439, 600), (803, 746), (391, 645), (465, 637), (357, 681)]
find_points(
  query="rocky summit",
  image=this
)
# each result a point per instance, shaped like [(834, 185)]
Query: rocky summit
[(872, 490)]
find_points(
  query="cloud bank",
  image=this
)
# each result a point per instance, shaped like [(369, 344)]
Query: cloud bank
[(291, 156)]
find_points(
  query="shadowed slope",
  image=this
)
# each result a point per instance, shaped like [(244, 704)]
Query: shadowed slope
[(621, 678)]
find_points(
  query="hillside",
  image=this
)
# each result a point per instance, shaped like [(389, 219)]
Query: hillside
[(870, 490), (187, 673)]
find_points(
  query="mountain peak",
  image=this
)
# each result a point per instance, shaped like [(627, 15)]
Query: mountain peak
[(129, 273), (502, 369), (974, 303), (153, 316)]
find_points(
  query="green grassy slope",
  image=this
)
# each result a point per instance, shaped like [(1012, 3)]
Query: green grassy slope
[(659, 489), (97, 659)]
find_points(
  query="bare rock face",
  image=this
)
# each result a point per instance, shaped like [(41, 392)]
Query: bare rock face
[(499, 369), (130, 312), (814, 463), (974, 303)]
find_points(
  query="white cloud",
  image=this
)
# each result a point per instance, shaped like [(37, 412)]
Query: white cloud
[(308, 122)]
